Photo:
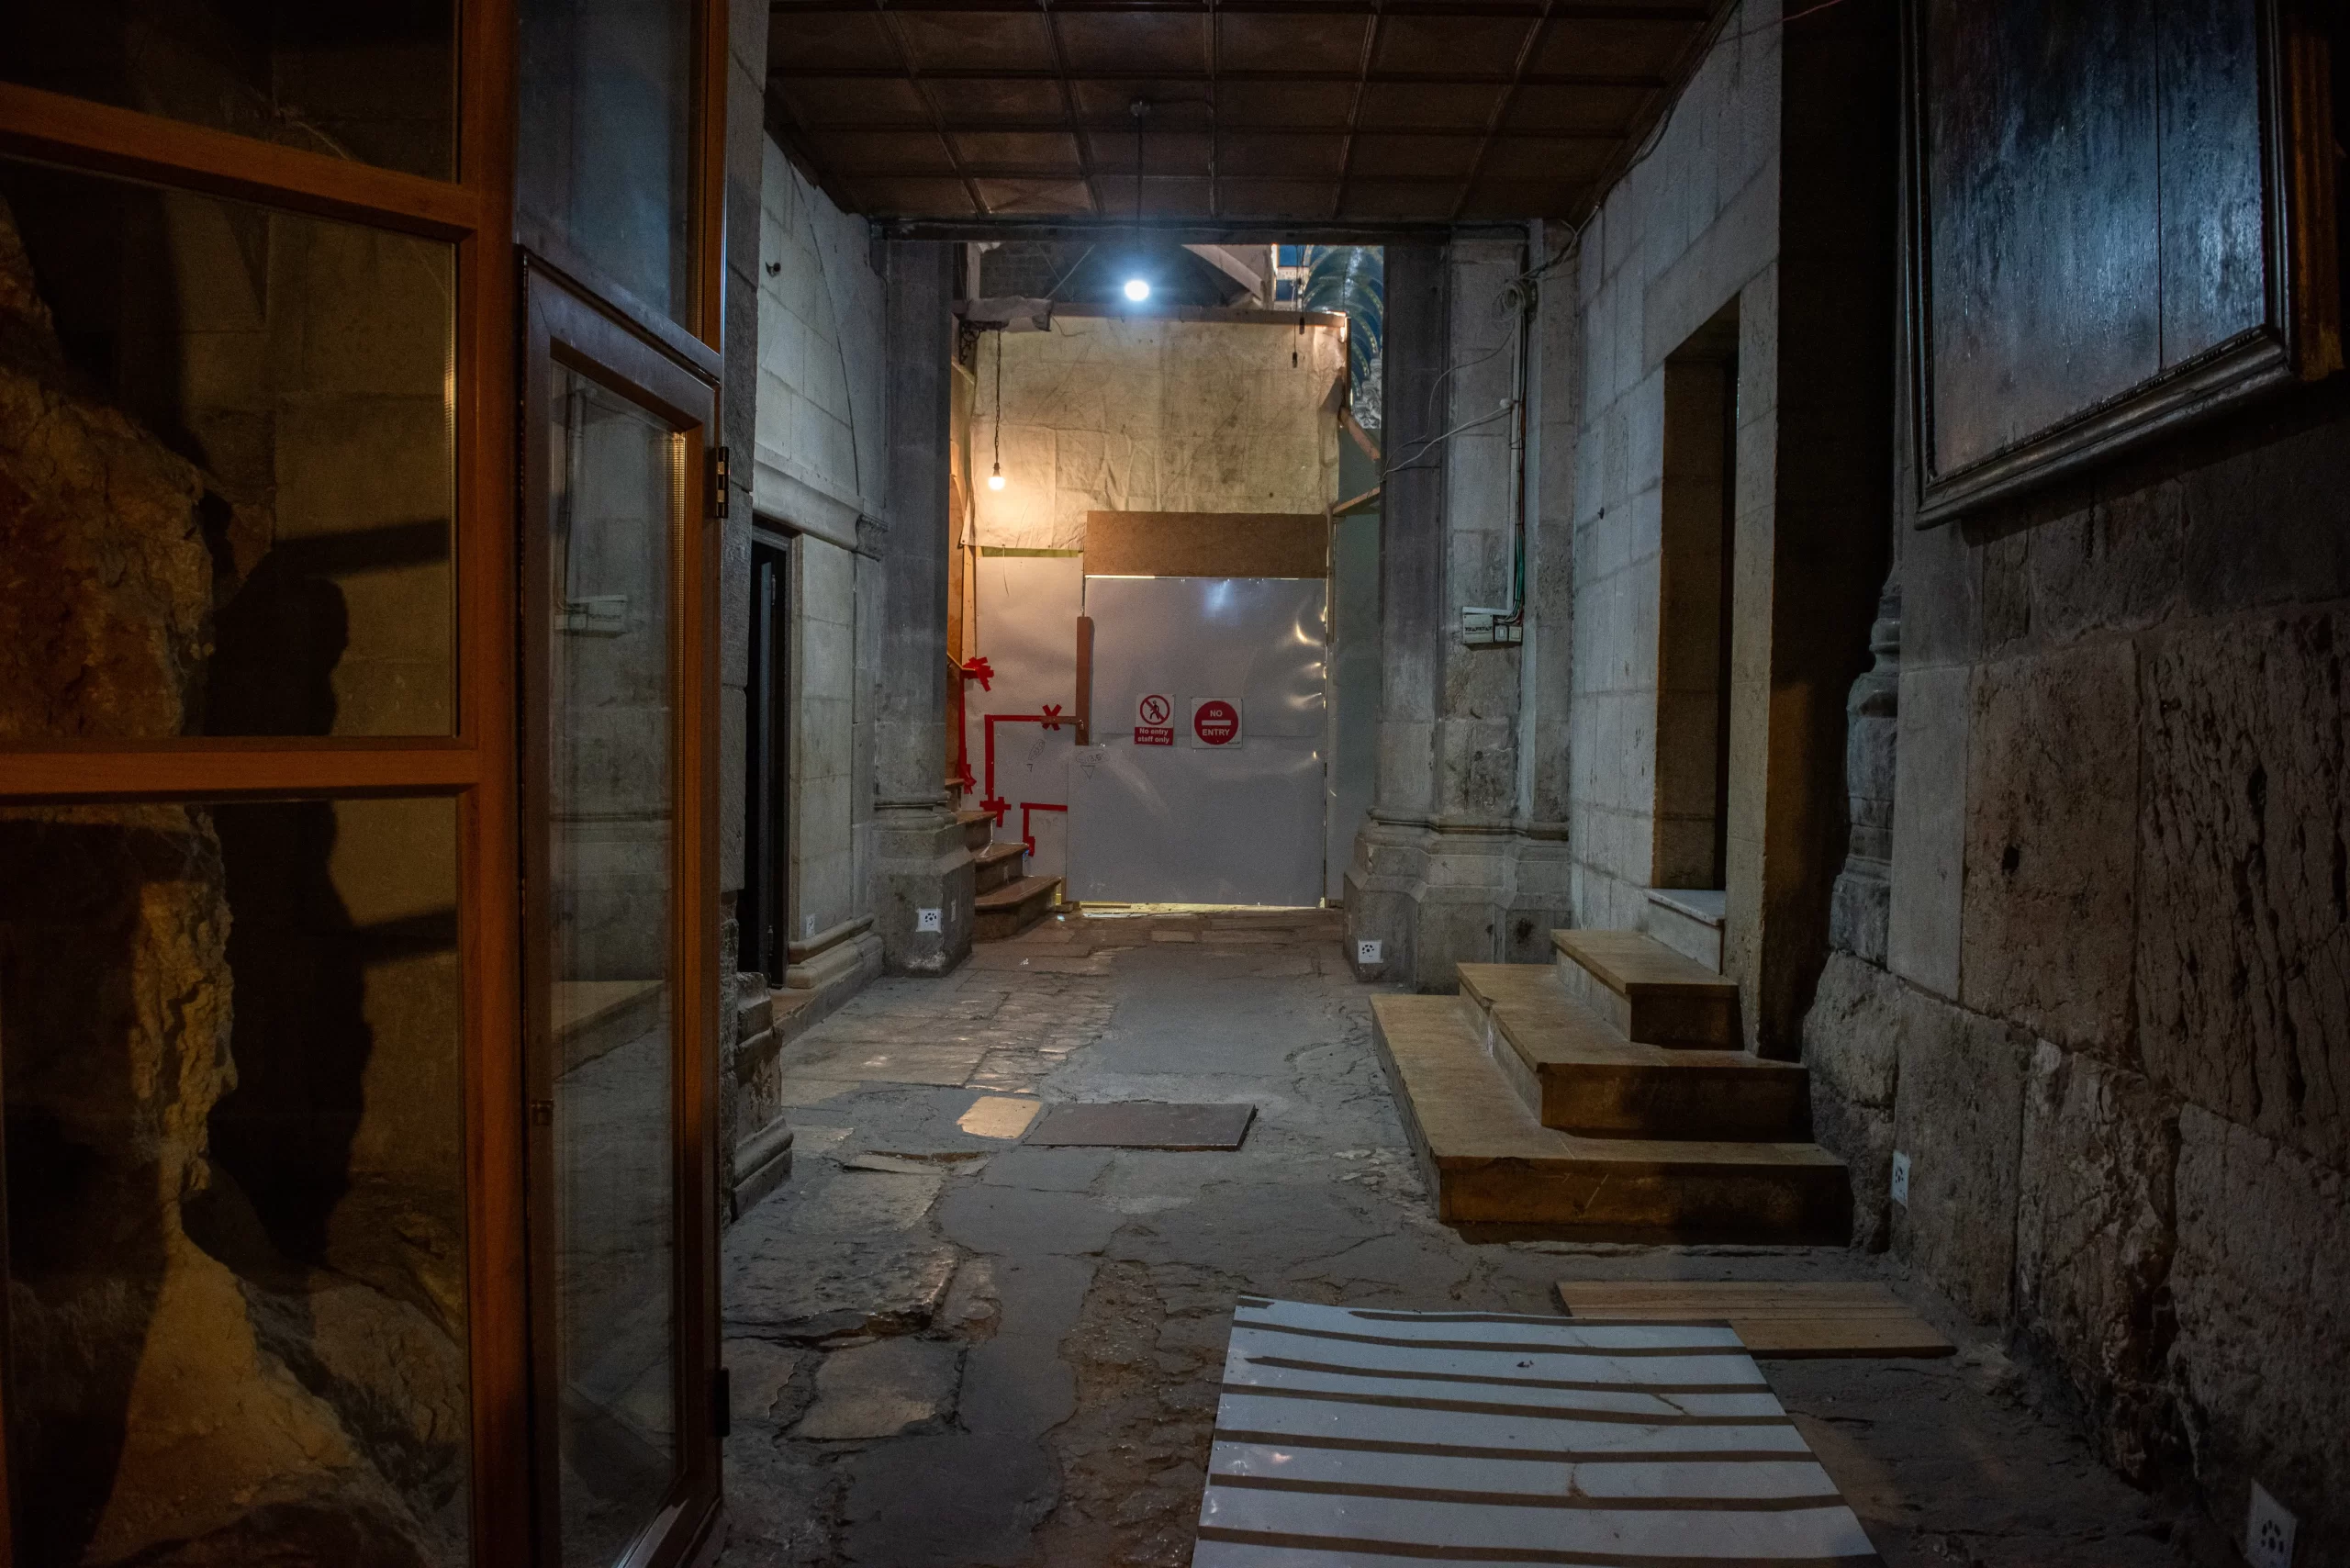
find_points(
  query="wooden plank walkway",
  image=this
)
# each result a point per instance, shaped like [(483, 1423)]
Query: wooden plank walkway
[(1348, 1437)]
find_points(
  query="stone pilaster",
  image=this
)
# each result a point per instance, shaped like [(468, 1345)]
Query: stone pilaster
[(1452, 865), (920, 862), (1859, 911)]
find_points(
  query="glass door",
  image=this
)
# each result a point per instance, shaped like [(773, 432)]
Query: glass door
[(620, 968)]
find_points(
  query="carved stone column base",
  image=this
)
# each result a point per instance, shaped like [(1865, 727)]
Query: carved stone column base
[(1437, 893), (920, 863)]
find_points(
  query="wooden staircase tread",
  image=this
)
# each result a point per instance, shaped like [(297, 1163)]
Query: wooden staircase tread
[(1469, 1115), (1011, 895), (1633, 963), (1775, 1318), (1549, 1028), (995, 854), (1561, 1033)]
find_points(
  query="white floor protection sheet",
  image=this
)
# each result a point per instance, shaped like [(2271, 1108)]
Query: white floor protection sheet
[(1209, 723), (1348, 1437)]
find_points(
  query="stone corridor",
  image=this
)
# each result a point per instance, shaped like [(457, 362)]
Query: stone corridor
[(947, 1349)]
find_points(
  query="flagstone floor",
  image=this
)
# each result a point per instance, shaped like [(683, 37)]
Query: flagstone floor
[(951, 1350)]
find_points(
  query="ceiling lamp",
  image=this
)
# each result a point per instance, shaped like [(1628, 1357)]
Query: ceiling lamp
[(1137, 289), (995, 480)]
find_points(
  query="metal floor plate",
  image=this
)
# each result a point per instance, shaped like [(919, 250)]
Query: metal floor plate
[(1349, 1439), (1142, 1123)]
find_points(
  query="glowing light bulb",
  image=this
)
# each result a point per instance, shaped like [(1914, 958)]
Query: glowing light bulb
[(1137, 289), (995, 480)]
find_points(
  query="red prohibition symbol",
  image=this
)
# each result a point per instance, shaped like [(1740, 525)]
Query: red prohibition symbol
[(1216, 722), (1155, 710)]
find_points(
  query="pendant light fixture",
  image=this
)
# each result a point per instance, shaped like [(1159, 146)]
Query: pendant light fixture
[(995, 476), (1138, 286)]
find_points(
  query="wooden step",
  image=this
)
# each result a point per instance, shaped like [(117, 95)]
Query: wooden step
[(1488, 1161), (1579, 1075), (1648, 992), (1778, 1319), (1012, 908), (978, 828), (998, 864)]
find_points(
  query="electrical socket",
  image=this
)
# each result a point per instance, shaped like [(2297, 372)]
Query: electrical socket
[(2268, 1531), (1901, 1178), (1369, 952), (929, 919), (1487, 629)]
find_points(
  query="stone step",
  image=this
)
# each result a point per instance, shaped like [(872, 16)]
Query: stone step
[(997, 864), (1012, 908), (1649, 992), (1488, 1161), (1579, 1075), (1689, 921), (978, 828)]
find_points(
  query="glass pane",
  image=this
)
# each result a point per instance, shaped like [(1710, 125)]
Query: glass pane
[(376, 83), (254, 412), (616, 488), (231, 1057), (606, 138)]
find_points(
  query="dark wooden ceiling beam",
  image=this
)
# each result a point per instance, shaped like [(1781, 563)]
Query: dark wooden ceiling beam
[(1354, 112), (1378, 78), (912, 74), (1069, 111), (1662, 15), (1126, 127), (1526, 50)]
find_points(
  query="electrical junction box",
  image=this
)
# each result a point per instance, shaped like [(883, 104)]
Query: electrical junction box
[(1484, 629)]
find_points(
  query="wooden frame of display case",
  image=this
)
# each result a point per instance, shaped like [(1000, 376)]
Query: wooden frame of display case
[(563, 325), (477, 764)]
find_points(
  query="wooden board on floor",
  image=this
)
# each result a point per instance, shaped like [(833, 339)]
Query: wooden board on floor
[(1354, 1435), (1780, 1319)]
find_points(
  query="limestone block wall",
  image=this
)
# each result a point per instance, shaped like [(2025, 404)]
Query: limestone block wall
[(820, 473), (2112, 1033), (1116, 413), (1688, 232)]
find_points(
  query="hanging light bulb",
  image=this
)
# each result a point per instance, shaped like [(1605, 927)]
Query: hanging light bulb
[(995, 480), (1137, 289)]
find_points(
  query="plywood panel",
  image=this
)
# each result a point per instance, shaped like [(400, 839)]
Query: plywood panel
[(1206, 544), (1776, 1318)]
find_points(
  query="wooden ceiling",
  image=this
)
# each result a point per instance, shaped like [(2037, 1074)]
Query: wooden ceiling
[(1301, 112)]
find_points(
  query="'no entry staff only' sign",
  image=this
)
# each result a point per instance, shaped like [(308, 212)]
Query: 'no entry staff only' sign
[(1151, 726)]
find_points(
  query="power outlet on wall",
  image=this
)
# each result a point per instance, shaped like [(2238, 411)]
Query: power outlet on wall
[(1369, 952), (2268, 1531), (1901, 1178), (929, 919)]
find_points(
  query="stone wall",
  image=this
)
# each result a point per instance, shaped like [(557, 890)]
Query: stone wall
[(2112, 1031), (1464, 855), (1113, 413)]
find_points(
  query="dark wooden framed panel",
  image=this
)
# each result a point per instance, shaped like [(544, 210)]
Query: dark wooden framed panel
[(563, 328), (475, 766), (2119, 224)]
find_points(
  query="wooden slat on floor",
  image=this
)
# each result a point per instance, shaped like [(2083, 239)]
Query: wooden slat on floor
[(1780, 1319), (1350, 1438)]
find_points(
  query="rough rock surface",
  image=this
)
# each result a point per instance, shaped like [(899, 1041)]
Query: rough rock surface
[(1959, 1118), (180, 1395), (2093, 1244), (2051, 841), (2243, 945)]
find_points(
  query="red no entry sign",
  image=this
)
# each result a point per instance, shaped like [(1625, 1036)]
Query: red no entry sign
[(1216, 722)]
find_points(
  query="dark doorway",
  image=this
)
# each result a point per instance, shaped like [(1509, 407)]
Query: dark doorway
[(1698, 556), (766, 754)]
